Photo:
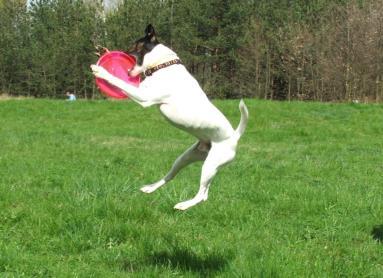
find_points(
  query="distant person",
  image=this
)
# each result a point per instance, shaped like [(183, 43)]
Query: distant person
[(71, 96)]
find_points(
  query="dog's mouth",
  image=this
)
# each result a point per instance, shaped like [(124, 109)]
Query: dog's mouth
[(139, 57), (135, 71), (137, 68)]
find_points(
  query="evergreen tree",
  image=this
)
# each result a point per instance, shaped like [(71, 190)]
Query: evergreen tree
[(277, 49)]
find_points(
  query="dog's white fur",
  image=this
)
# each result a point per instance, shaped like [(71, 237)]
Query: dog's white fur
[(182, 101)]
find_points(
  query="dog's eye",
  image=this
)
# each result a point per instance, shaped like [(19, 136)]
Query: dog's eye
[(139, 46)]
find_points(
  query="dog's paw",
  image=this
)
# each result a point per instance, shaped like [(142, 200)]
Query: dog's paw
[(187, 204), (99, 71), (148, 189), (152, 187)]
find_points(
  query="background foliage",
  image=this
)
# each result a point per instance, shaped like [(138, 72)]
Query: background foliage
[(273, 49)]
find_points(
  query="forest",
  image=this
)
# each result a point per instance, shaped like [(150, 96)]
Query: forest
[(320, 50)]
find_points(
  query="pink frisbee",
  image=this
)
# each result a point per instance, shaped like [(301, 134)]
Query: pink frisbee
[(117, 63)]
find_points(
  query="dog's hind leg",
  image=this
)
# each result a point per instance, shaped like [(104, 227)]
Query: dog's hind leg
[(197, 152), (219, 155)]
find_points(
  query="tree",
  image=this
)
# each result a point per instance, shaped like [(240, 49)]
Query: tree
[(13, 40)]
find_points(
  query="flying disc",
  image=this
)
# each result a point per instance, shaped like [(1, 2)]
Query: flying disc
[(117, 63)]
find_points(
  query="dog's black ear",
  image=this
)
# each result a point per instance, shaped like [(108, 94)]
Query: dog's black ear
[(150, 33)]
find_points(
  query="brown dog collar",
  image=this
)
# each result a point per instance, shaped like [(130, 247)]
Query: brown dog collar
[(150, 71)]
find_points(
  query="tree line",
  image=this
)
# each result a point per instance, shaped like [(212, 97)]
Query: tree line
[(324, 50)]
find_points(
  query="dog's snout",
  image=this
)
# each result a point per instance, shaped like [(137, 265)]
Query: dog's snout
[(130, 73)]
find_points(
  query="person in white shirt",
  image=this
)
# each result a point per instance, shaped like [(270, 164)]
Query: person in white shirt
[(71, 96)]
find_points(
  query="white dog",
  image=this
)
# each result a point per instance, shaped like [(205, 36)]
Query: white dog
[(181, 100)]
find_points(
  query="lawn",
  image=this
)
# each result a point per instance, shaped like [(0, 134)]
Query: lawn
[(303, 198)]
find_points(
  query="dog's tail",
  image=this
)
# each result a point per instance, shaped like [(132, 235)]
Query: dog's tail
[(244, 118)]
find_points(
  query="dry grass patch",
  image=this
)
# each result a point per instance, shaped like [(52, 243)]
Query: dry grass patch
[(8, 97)]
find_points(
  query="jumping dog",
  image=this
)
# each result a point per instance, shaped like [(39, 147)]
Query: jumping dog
[(184, 104)]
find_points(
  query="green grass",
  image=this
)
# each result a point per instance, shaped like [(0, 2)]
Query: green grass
[(302, 199)]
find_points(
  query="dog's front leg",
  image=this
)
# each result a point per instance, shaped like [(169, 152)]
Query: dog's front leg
[(140, 95)]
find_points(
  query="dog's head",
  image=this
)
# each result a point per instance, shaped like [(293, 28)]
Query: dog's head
[(142, 47)]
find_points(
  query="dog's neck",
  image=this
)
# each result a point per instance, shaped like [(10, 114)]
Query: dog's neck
[(159, 55)]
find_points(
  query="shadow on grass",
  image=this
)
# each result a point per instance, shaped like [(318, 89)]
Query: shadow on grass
[(377, 233), (186, 260)]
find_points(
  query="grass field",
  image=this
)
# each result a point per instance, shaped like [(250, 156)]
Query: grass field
[(304, 197)]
